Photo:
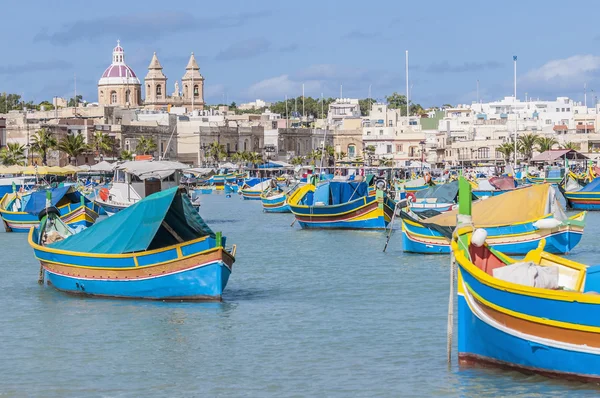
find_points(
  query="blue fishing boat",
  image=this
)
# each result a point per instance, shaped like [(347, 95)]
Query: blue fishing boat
[(20, 212), (341, 204), (254, 187), (536, 315), (583, 198), (276, 200), (20, 183), (435, 199), (516, 222), (158, 248)]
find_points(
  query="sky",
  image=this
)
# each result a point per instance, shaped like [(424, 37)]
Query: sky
[(268, 49)]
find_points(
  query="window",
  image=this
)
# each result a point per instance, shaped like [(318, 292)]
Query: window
[(351, 151), (158, 90), (246, 146), (368, 132), (379, 110), (548, 121), (391, 123), (380, 132), (563, 109), (195, 90), (127, 145), (113, 97), (568, 109), (101, 94), (398, 148), (483, 153), (127, 95), (557, 109), (228, 148), (389, 149), (162, 147)]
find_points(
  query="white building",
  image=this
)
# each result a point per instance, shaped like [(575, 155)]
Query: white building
[(342, 108), (254, 105)]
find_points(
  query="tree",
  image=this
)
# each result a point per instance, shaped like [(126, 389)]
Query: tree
[(10, 102), (396, 101), (571, 145), (42, 141), (526, 143), (365, 106), (73, 145), (216, 151), (341, 155), (447, 106), (74, 101), (145, 146), (13, 153), (298, 161), (255, 158), (386, 162), (507, 150), (546, 143), (47, 106), (101, 143), (126, 155)]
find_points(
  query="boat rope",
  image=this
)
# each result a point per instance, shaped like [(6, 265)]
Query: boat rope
[(391, 227)]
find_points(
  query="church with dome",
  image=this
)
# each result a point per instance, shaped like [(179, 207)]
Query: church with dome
[(119, 85)]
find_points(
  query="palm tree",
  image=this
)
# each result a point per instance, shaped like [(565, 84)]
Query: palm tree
[(526, 143), (73, 145), (571, 145), (546, 143), (216, 151), (255, 158), (298, 161), (145, 146), (386, 162), (126, 155), (12, 154), (314, 156), (341, 155), (506, 149), (42, 141), (101, 143)]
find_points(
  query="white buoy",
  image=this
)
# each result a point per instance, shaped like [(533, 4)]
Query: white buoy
[(479, 236), (547, 223)]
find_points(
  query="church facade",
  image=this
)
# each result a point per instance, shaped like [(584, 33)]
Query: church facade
[(119, 85), (191, 95)]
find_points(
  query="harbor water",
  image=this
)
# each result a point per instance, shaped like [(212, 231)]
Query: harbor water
[(306, 313)]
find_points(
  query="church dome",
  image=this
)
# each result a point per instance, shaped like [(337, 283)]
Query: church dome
[(118, 73)]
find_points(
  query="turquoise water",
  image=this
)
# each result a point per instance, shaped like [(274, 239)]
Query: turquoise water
[(306, 313)]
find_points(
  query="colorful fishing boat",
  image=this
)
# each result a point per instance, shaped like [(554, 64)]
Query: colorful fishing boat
[(583, 198), (516, 222), (275, 201), (414, 185), (536, 315), (254, 187), (159, 248), (435, 199), (341, 204), (20, 212), (7, 185)]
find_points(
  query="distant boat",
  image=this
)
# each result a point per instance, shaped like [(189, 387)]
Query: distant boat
[(276, 200), (20, 212), (158, 248), (341, 204), (20, 183), (582, 198), (254, 187), (536, 315), (516, 222)]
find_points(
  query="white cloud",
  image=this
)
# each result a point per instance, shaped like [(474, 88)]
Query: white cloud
[(276, 88), (568, 70)]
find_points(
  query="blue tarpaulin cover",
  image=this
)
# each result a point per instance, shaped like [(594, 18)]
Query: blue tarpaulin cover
[(140, 227), (37, 200), (339, 192), (593, 186)]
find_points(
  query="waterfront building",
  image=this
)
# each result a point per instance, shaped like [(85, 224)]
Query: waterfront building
[(119, 85), (341, 109)]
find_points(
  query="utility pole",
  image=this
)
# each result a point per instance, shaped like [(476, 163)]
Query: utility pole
[(407, 93), (515, 75)]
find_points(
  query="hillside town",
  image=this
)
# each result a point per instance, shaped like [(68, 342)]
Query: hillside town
[(131, 117)]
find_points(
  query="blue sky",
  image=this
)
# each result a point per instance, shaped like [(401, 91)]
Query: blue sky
[(268, 49)]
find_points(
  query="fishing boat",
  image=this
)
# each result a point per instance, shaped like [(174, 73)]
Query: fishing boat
[(135, 180), (20, 212), (536, 315), (516, 222), (582, 198), (435, 199), (158, 248), (414, 185), (276, 200), (20, 183), (550, 175), (254, 187), (341, 204)]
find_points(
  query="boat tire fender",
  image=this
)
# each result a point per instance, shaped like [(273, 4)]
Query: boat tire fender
[(47, 211), (411, 197)]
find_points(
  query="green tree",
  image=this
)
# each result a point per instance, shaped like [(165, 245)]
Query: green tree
[(41, 142), (101, 143), (73, 145), (126, 155), (145, 146), (255, 158), (74, 101), (526, 143), (506, 150), (546, 143), (47, 106), (365, 106), (13, 153), (386, 162), (216, 151), (298, 161), (10, 102), (341, 156), (396, 101), (571, 145)]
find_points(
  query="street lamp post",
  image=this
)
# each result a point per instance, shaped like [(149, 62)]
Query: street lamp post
[(422, 143)]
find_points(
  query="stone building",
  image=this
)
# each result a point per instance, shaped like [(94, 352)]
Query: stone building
[(119, 86), (191, 95)]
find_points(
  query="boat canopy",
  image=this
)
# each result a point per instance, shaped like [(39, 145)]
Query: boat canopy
[(484, 185), (338, 192), (593, 186), (36, 202), (159, 220), (503, 183), (444, 193), (517, 206), (145, 169), (102, 166)]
